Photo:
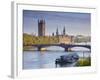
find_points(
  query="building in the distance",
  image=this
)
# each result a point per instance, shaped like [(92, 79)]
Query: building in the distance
[(64, 31), (41, 27), (57, 32), (64, 38)]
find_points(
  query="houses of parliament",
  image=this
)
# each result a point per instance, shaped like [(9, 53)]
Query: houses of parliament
[(62, 38)]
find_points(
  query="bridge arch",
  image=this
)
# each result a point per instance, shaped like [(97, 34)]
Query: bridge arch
[(69, 47), (65, 46), (79, 49), (55, 48)]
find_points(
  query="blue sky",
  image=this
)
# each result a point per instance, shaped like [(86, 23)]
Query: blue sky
[(75, 23)]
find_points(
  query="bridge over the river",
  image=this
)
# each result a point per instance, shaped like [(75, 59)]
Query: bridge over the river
[(65, 46)]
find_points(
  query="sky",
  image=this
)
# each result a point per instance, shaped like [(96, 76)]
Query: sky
[(74, 23)]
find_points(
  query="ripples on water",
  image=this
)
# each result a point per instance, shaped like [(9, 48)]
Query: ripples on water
[(46, 59)]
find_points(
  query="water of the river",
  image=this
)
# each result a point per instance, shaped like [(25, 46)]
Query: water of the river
[(46, 59)]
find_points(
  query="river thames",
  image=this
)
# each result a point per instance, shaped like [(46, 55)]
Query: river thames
[(46, 59)]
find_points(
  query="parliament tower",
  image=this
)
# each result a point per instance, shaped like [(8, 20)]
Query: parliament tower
[(41, 27)]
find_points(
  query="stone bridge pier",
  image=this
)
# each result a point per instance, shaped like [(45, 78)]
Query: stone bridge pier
[(41, 49), (67, 49)]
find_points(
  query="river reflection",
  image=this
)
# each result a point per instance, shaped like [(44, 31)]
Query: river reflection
[(46, 59)]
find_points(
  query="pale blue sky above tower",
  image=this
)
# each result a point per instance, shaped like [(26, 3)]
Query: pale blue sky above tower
[(75, 23)]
